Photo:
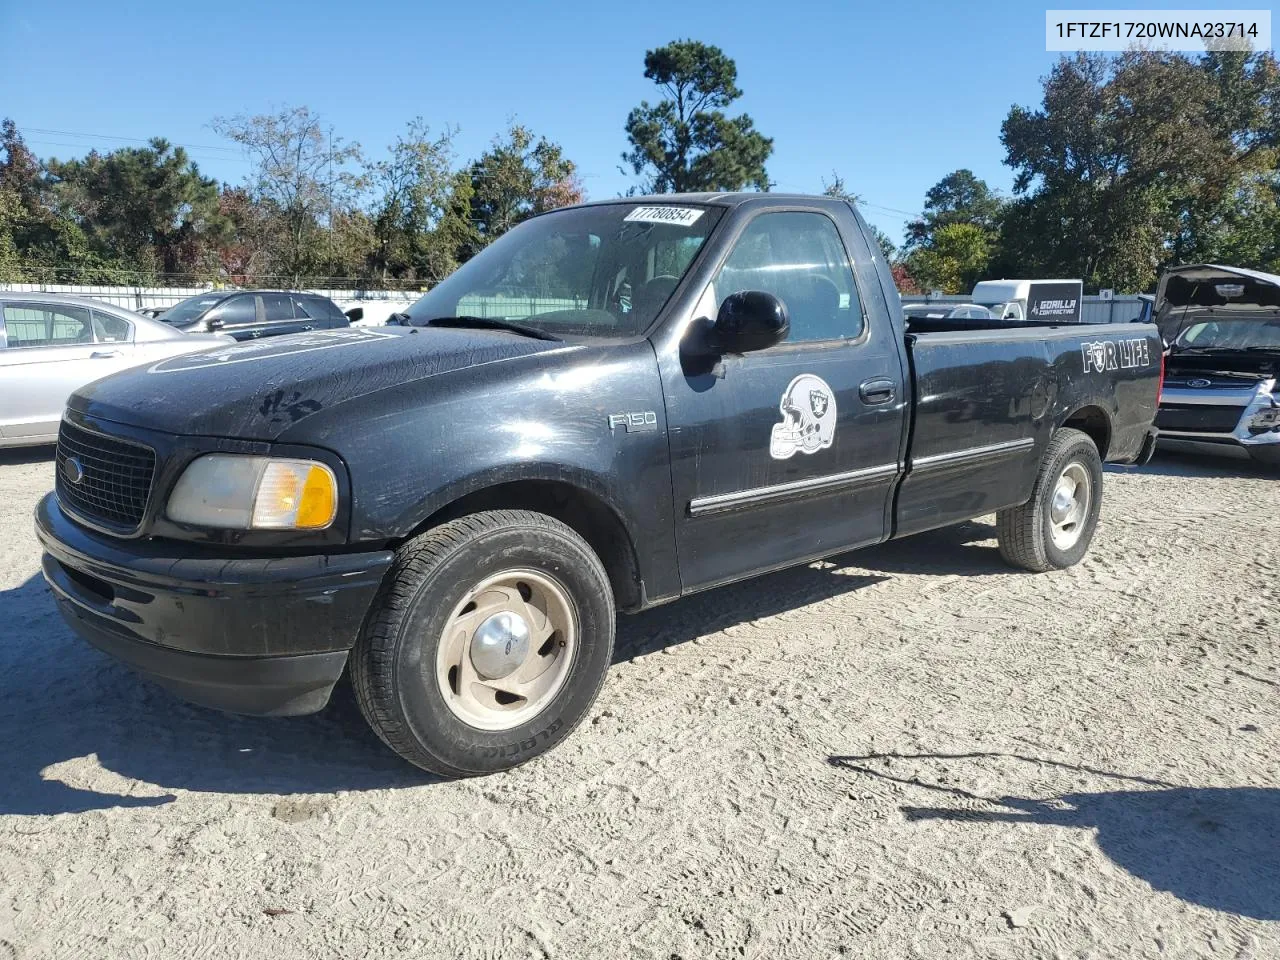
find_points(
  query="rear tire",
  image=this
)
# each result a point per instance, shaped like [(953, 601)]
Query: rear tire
[(1053, 529), (487, 644)]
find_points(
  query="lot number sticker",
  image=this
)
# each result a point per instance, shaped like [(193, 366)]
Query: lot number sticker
[(680, 216)]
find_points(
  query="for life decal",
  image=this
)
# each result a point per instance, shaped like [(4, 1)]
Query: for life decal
[(808, 409), (1102, 355)]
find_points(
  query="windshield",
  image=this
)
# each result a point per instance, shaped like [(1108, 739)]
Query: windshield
[(189, 309), (1262, 334), (601, 271)]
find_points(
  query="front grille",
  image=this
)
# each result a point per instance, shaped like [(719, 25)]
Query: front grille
[(1210, 381), (115, 476), (1197, 418)]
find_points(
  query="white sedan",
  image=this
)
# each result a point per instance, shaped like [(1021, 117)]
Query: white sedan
[(52, 344)]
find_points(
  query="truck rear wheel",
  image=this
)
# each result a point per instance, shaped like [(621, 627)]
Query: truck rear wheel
[(487, 644), (1053, 529)]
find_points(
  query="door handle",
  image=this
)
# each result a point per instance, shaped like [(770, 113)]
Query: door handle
[(877, 390), (104, 354)]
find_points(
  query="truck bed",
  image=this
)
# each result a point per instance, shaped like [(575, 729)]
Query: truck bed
[(986, 402)]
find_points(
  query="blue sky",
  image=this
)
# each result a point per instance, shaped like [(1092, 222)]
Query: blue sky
[(893, 95)]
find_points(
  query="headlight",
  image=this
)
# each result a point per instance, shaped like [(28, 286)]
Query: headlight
[(255, 493)]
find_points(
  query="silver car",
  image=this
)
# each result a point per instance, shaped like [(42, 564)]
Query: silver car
[(51, 344)]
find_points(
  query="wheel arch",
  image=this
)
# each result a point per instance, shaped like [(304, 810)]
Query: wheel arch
[(1094, 422), (573, 501)]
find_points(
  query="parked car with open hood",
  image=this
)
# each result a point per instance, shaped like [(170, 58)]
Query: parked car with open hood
[(50, 344), (1222, 325), (253, 314)]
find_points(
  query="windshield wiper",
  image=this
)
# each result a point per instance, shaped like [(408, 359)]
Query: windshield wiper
[(489, 323)]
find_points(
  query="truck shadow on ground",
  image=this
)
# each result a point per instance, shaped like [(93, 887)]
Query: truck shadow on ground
[(1218, 847), (61, 701)]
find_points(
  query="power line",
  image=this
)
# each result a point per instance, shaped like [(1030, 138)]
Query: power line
[(881, 207), (83, 146), (103, 136)]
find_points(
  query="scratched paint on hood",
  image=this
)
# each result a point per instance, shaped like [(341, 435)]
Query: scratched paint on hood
[(256, 391)]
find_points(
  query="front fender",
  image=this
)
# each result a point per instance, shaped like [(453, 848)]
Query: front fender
[(414, 449)]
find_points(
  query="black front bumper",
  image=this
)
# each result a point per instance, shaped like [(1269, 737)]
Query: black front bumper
[(249, 635)]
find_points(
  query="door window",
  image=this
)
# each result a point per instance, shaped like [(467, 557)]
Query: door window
[(320, 308), (237, 312), (108, 328), (277, 307), (46, 325), (800, 259)]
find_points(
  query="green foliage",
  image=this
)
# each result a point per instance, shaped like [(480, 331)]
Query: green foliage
[(1141, 160), (837, 189), (954, 259), (10, 217), (147, 207), (302, 174), (685, 142), (959, 197), (519, 176), (415, 190), (951, 245), (310, 212)]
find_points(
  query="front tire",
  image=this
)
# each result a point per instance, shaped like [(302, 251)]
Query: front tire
[(1053, 529), (487, 644)]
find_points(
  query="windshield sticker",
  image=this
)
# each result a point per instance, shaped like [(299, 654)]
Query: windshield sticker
[(1103, 355), (680, 216), (266, 349), (808, 409)]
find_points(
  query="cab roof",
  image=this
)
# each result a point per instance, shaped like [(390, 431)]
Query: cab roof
[(729, 199)]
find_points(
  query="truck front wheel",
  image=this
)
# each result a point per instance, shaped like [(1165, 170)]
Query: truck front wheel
[(1053, 529), (487, 644)]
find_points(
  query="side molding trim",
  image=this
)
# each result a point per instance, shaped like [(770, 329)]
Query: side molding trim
[(759, 496), (970, 455)]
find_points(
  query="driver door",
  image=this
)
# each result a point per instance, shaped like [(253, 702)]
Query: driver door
[(792, 452)]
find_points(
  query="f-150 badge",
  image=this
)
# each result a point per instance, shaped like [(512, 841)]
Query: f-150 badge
[(808, 409), (1103, 355)]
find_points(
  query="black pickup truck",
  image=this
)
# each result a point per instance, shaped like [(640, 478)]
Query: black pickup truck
[(612, 406)]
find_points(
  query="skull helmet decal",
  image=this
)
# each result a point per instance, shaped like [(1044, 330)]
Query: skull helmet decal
[(808, 409)]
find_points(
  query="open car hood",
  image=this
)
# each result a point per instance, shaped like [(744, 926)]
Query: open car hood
[(1196, 290)]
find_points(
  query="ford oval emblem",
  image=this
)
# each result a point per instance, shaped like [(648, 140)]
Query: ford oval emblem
[(1199, 383), (72, 470)]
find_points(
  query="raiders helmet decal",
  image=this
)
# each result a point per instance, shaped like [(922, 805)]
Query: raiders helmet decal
[(808, 409)]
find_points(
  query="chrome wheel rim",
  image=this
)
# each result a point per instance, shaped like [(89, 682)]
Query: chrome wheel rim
[(1069, 506), (506, 649)]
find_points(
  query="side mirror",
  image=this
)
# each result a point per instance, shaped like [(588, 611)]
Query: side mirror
[(751, 320), (355, 313), (214, 323)]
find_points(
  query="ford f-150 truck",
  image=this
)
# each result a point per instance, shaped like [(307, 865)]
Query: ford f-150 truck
[(612, 406)]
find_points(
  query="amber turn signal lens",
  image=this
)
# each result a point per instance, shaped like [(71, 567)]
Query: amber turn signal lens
[(295, 495)]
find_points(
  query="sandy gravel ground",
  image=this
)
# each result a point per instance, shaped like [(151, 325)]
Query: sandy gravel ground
[(908, 752)]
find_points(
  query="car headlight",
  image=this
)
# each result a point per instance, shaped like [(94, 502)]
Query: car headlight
[(239, 492)]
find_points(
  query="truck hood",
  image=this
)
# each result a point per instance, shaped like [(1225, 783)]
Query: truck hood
[(256, 391)]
